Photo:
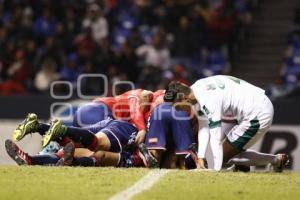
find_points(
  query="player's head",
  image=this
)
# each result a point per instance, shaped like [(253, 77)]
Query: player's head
[(180, 95), (146, 99)]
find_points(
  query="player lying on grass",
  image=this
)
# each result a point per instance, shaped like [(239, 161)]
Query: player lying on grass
[(129, 106), (216, 96), (66, 157), (105, 136), (182, 130)]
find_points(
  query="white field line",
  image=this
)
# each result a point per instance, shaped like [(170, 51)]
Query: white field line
[(143, 184)]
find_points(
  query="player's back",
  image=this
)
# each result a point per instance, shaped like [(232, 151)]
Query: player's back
[(233, 94)]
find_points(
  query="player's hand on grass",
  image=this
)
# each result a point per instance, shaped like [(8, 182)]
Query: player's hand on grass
[(140, 137), (200, 163)]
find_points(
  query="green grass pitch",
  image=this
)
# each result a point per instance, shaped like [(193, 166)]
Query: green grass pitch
[(22, 183)]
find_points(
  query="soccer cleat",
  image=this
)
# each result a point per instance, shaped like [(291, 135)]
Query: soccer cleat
[(148, 160), (56, 131), (69, 151), (52, 148), (238, 168), (282, 161), (19, 156), (29, 125)]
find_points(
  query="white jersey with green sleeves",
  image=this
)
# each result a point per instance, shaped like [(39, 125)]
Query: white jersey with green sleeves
[(220, 94)]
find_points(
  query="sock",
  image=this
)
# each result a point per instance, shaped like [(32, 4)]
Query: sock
[(130, 160), (125, 160), (85, 161), (43, 128), (82, 136), (44, 159), (253, 158)]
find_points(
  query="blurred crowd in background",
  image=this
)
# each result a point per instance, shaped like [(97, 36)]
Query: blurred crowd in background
[(149, 42), (291, 68), (289, 83)]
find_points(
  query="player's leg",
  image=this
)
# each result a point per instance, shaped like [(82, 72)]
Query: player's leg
[(182, 134), (91, 113), (22, 158), (242, 136), (250, 157), (248, 133), (81, 136), (29, 125), (139, 158), (158, 127), (121, 134)]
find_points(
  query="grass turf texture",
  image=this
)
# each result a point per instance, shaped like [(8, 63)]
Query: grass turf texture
[(226, 186), (22, 183), (101, 183)]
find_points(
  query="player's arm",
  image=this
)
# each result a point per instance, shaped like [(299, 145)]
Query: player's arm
[(137, 118), (213, 111), (216, 137), (216, 146), (203, 140)]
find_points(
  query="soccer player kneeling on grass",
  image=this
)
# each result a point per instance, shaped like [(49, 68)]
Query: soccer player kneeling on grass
[(217, 95)]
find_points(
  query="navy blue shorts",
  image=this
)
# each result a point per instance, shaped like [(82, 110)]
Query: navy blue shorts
[(91, 113), (166, 122), (120, 134)]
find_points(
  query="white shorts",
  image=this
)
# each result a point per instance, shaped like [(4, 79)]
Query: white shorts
[(248, 132)]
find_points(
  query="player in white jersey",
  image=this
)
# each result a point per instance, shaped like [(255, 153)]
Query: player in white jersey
[(215, 97)]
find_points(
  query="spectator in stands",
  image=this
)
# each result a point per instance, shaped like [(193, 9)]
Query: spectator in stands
[(184, 44), (45, 25), (18, 74), (103, 56), (216, 61), (72, 70), (96, 20), (30, 51), (127, 61), (149, 78), (135, 39), (49, 30), (155, 54), (50, 51), (85, 44), (46, 76), (71, 28)]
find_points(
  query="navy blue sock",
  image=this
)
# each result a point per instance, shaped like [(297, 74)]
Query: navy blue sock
[(44, 159), (43, 128), (84, 161), (82, 136), (125, 160)]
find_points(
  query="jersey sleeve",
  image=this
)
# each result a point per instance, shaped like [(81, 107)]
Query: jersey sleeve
[(216, 146), (136, 113), (203, 137), (213, 112)]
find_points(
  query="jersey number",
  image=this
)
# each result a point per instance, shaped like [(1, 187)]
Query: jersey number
[(213, 86)]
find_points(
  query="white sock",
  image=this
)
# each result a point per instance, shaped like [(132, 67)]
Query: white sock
[(253, 158)]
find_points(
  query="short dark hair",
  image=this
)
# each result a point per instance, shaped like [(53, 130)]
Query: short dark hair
[(175, 90)]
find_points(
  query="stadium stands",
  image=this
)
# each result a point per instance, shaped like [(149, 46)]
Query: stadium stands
[(43, 41), (260, 58)]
